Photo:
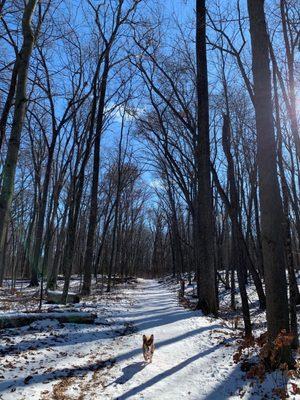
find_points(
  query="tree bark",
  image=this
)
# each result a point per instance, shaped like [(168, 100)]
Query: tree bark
[(11, 160), (238, 254), (88, 259), (270, 200), (204, 226)]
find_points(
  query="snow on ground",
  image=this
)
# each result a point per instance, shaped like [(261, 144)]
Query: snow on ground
[(193, 357)]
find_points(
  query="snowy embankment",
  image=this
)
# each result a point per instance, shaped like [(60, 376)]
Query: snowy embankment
[(193, 357)]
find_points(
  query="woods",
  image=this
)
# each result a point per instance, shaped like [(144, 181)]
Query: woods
[(148, 140)]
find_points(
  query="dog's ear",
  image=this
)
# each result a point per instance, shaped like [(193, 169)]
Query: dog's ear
[(144, 338), (152, 338)]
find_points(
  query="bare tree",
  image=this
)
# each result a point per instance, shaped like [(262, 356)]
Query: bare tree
[(270, 200), (204, 225), (9, 169)]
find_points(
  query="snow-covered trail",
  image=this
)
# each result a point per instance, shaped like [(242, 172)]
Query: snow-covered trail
[(104, 361), (190, 360)]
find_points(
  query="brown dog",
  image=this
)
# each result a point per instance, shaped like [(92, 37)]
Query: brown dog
[(148, 347)]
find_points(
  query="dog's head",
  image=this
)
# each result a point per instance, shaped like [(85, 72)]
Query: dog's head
[(148, 340)]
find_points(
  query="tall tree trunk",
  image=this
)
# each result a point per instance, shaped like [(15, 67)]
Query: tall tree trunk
[(39, 230), (114, 242), (76, 190), (204, 245), (238, 254), (88, 259), (270, 200), (10, 165)]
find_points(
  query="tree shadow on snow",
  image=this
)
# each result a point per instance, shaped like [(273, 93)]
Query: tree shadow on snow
[(163, 375), (92, 333), (234, 384), (77, 371)]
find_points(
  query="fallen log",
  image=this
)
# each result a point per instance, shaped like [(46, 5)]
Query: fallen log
[(17, 320), (55, 297)]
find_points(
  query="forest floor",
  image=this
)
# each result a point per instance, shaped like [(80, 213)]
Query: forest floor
[(193, 357)]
